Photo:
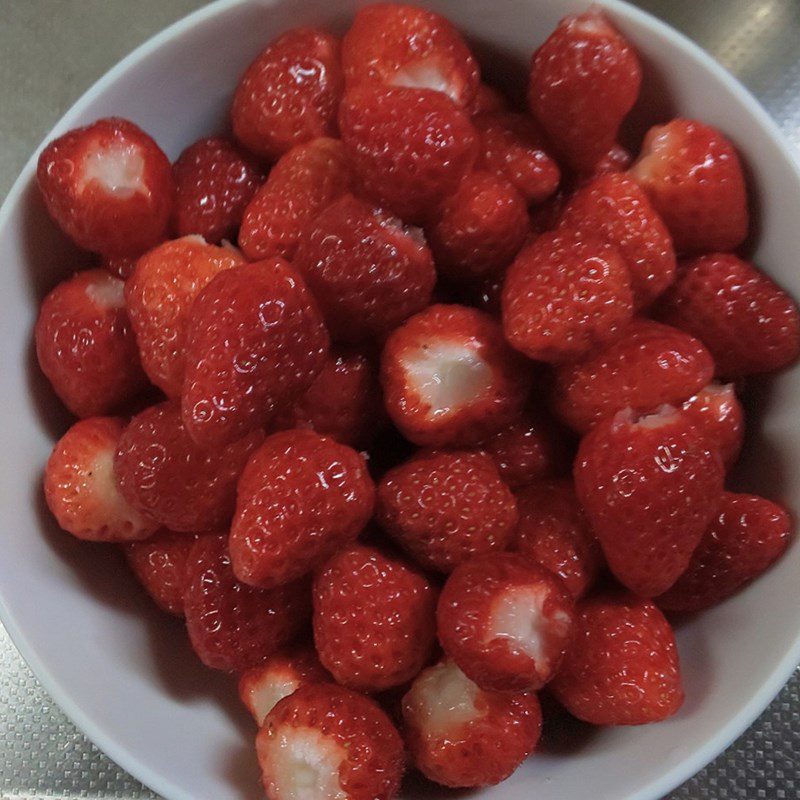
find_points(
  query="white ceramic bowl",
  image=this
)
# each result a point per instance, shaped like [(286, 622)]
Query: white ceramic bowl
[(125, 674)]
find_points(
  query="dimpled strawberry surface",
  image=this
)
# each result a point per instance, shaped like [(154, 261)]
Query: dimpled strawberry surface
[(425, 400)]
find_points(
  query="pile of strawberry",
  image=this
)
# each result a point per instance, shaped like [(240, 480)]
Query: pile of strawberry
[(450, 407)]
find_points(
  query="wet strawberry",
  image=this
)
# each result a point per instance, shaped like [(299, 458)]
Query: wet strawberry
[(719, 415)]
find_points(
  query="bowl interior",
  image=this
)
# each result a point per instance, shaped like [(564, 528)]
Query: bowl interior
[(125, 673)]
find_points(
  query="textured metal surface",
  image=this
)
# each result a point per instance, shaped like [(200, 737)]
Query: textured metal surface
[(50, 51)]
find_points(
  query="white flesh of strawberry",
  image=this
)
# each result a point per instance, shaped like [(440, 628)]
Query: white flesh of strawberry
[(118, 168), (265, 692), (107, 292), (445, 698), (425, 74)]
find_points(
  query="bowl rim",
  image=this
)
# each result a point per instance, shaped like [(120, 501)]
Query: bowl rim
[(162, 785)]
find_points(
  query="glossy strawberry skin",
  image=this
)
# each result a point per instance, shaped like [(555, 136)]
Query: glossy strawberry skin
[(488, 100), (232, 626), (165, 475), (744, 539), (649, 487), (615, 209), (564, 296), (300, 498), (307, 179), (409, 148), (83, 176), (119, 266), (622, 668), (374, 619), (160, 294), (584, 80), (255, 343), (367, 272), (214, 182), (444, 507), (273, 110), (85, 345), (694, 179), (651, 364), (748, 322), (719, 415)]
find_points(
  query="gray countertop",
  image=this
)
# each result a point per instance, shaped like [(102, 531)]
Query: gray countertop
[(50, 52)]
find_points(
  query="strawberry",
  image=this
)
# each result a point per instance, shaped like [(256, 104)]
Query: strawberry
[(108, 186), (261, 688), (289, 94), (514, 146), (584, 80), (366, 270), (652, 364), (214, 182), (747, 536), (694, 179), (304, 182), (554, 532), (409, 148), (488, 100), (719, 415), (749, 324), (232, 626), (445, 507), (449, 377), (325, 741), (374, 619), (389, 44), (460, 735), (255, 343), (622, 668), (300, 498), (614, 208), (564, 296), (85, 345), (480, 228), (119, 266), (160, 564), (160, 293), (650, 486), (616, 160), (163, 474), (506, 621), (81, 490)]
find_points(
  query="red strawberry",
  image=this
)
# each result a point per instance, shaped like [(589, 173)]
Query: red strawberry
[(748, 322), (584, 80), (214, 182), (108, 186), (160, 564), (545, 217), (614, 208), (255, 343), (506, 621), (374, 619), (650, 486), (261, 688), (119, 266), (622, 668), (232, 626), (617, 159), (163, 473), (449, 377), (304, 182), (301, 497), (410, 148), (719, 415), (488, 100), (694, 179), (459, 735), (564, 296), (445, 507), (85, 345), (554, 532), (747, 535), (513, 145), (81, 490), (390, 44), (480, 228), (651, 364), (290, 93), (366, 270), (325, 741), (160, 294)]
